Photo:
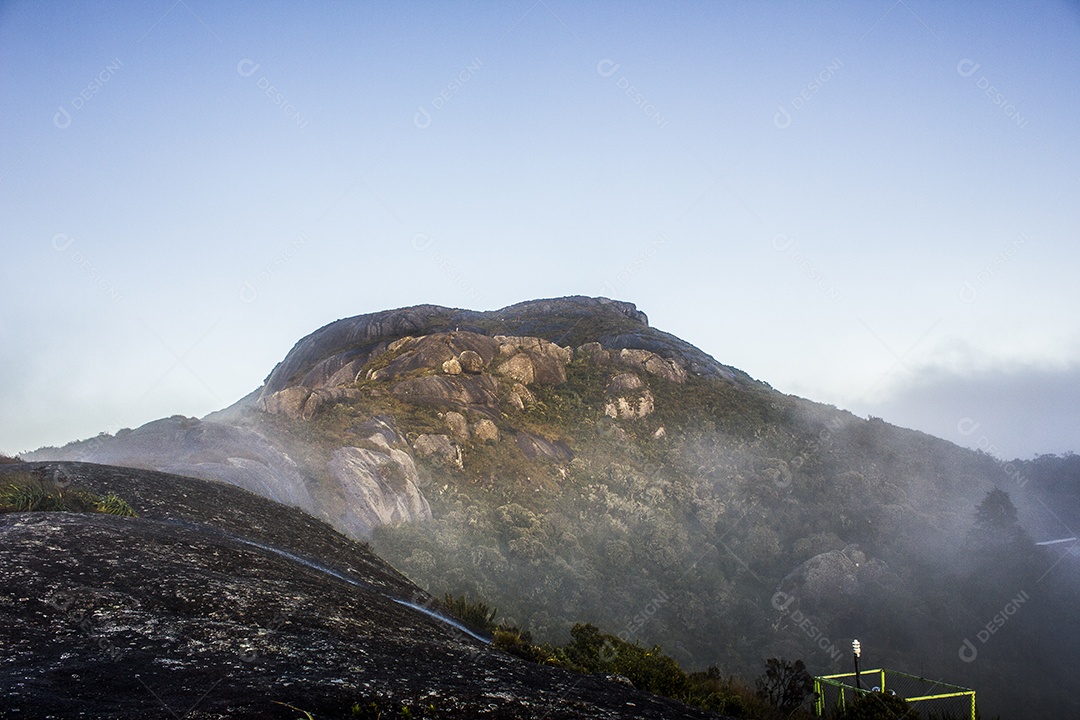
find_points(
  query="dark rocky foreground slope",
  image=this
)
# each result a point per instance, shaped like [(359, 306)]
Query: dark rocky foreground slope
[(217, 603)]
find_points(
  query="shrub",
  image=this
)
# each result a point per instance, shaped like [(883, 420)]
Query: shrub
[(476, 615), (112, 504), (519, 642), (25, 493), (785, 684)]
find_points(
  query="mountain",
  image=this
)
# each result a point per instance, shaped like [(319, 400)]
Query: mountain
[(216, 603), (566, 462)]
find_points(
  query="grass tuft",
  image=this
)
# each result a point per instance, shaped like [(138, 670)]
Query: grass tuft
[(25, 493)]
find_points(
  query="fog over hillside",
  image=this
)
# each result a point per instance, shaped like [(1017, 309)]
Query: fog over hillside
[(568, 462)]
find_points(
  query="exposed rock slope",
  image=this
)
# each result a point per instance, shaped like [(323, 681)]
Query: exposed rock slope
[(215, 603)]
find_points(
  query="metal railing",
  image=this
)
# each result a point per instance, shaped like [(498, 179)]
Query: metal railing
[(940, 698)]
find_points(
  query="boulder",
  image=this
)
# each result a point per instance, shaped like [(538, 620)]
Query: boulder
[(439, 351), (520, 368), (630, 408), (288, 402), (528, 367), (593, 352), (548, 370), (348, 373), (624, 382), (524, 393), (533, 447), (458, 426), (326, 396), (471, 361), (826, 578), (485, 431), (439, 447), (535, 346), (653, 364)]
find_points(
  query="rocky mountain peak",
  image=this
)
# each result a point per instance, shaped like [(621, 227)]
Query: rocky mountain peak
[(563, 321)]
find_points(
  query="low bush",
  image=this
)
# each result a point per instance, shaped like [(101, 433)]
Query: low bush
[(475, 614), (23, 492), (782, 689)]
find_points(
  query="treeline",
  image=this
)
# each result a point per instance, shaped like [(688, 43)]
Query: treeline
[(784, 690)]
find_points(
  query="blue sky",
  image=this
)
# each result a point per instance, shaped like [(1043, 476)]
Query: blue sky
[(871, 204)]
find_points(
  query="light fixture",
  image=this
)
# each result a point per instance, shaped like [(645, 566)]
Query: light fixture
[(856, 649)]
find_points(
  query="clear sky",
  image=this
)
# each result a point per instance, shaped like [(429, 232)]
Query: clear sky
[(871, 204)]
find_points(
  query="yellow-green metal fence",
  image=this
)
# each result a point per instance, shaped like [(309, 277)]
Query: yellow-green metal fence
[(932, 698)]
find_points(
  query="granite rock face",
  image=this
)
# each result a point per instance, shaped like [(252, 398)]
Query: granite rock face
[(381, 487), (217, 603), (613, 325)]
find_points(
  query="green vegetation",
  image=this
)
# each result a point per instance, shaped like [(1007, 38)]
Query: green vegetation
[(782, 691), (682, 537), (475, 615), (786, 685), (23, 492), (650, 669)]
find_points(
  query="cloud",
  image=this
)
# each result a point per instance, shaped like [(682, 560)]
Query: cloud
[(1009, 412)]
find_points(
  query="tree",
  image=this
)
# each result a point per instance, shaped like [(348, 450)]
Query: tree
[(996, 523), (785, 684), (1001, 556)]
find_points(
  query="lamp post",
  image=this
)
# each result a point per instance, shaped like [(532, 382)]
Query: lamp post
[(856, 651)]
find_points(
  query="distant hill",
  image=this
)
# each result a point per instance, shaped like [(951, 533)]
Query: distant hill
[(566, 462)]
